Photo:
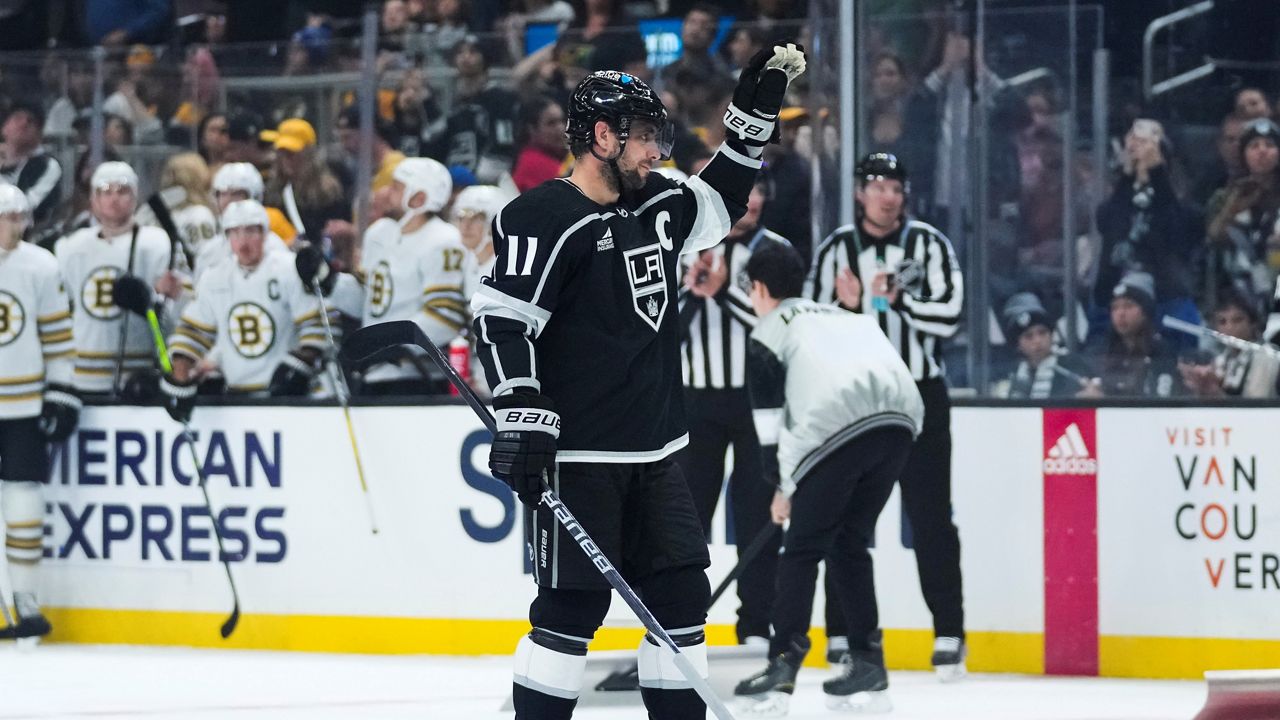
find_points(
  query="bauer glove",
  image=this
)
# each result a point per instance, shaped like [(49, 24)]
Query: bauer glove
[(179, 398), (752, 117), (60, 413), (524, 448)]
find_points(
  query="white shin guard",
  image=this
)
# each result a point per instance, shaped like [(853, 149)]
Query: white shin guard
[(548, 671), (657, 668), (23, 509)]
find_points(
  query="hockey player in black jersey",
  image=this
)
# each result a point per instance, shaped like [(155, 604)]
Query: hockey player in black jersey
[(578, 335)]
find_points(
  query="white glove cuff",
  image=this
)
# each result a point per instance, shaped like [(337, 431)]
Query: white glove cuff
[(298, 364), (63, 398), (529, 420), (181, 392)]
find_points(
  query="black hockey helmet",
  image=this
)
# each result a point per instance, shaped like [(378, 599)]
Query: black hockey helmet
[(882, 166), (617, 98)]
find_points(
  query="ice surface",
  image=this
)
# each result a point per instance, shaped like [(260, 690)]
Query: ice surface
[(77, 681)]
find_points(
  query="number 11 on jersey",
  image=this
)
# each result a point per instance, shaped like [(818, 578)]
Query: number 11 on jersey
[(513, 254)]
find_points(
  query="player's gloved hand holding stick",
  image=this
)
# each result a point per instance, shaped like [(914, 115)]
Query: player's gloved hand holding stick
[(135, 296), (371, 343), (524, 446)]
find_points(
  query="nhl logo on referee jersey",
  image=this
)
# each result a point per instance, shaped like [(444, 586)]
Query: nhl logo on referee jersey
[(12, 318), (648, 283)]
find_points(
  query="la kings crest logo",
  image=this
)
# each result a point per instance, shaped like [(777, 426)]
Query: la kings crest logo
[(12, 318), (648, 283)]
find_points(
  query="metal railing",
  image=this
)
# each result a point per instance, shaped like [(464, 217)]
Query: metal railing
[(1152, 89)]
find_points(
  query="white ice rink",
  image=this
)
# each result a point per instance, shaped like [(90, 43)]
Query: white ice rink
[(73, 681)]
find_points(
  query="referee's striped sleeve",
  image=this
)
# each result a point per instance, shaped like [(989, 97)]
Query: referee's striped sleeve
[(936, 309)]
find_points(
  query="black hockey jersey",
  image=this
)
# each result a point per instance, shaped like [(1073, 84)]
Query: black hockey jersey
[(581, 305)]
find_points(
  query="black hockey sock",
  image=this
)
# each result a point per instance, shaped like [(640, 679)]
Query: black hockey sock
[(534, 705), (673, 704)]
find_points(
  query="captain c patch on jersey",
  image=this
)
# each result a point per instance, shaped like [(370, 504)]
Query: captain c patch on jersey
[(12, 318), (251, 329), (648, 283)]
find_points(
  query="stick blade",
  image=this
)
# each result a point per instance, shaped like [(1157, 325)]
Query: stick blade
[(369, 343), (229, 626)]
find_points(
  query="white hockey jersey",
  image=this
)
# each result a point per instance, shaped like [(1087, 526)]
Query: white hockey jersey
[(90, 265), (416, 277), (256, 317), (35, 329), (197, 225)]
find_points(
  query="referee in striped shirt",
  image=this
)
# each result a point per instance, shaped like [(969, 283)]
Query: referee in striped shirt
[(717, 318), (904, 273)]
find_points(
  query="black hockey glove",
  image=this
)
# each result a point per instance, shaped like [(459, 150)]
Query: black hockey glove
[(292, 377), (752, 117), (525, 445), (179, 398), (60, 413), (133, 294), (314, 268)]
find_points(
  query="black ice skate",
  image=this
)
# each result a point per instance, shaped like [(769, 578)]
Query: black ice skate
[(948, 658), (32, 624), (862, 685), (768, 693)]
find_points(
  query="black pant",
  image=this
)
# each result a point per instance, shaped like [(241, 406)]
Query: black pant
[(717, 419), (926, 500), (24, 451), (833, 516)]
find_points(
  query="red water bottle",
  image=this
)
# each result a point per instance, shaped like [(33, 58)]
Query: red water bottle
[(460, 359)]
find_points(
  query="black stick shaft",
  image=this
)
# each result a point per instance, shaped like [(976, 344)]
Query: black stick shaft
[(584, 541)]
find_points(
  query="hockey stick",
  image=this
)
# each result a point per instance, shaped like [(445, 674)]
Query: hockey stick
[(627, 678), (162, 352), (344, 393), (160, 209), (1223, 339), (371, 342)]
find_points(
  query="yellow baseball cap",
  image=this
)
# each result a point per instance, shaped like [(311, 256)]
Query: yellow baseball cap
[(787, 114), (293, 135)]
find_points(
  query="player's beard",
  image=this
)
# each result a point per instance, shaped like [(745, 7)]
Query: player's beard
[(623, 179)]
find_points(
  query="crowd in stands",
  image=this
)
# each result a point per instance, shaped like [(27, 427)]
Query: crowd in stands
[(463, 82)]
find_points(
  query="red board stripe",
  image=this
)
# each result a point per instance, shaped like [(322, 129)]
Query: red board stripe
[(1070, 467)]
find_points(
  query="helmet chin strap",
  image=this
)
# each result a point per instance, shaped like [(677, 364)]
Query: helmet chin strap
[(612, 163), (411, 212)]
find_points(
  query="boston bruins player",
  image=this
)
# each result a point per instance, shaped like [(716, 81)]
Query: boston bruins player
[(232, 182), (413, 270), (37, 403), (91, 260), (579, 316), (256, 309)]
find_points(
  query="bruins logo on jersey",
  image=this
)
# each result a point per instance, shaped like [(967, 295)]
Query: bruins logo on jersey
[(12, 318), (251, 329), (380, 290), (97, 297)]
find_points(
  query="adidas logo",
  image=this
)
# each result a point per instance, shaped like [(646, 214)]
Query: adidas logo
[(606, 241), (1069, 455)]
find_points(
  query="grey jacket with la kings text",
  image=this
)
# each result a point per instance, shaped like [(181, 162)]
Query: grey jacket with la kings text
[(820, 376)]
